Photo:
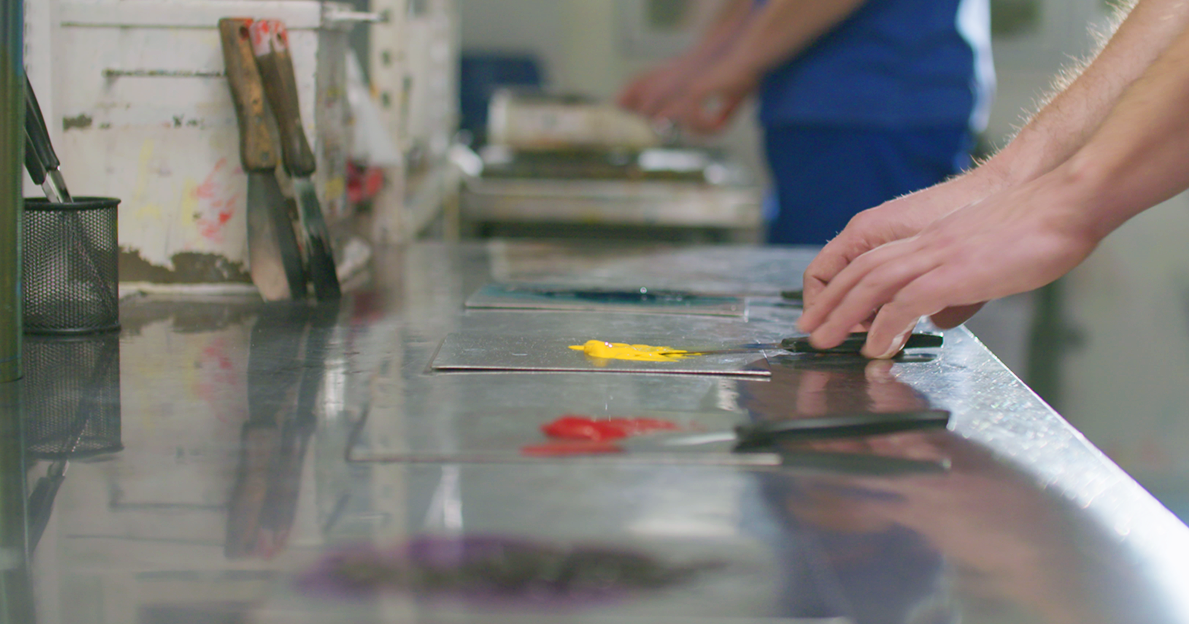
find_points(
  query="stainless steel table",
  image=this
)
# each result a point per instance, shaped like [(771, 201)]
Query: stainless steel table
[(288, 463)]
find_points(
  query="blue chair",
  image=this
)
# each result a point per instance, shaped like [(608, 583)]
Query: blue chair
[(480, 74)]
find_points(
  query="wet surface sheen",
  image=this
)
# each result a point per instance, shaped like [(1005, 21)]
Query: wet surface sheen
[(298, 463)]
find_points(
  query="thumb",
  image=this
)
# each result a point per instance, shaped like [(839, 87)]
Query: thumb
[(716, 119), (955, 316)]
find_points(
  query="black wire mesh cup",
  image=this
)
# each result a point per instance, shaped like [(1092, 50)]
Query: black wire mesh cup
[(72, 395), (70, 263)]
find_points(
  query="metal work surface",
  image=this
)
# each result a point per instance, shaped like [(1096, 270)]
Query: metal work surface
[(297, 463)]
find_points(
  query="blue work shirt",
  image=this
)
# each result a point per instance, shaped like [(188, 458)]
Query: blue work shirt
[(891, 64)]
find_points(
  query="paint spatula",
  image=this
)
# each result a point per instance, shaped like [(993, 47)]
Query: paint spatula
[(270, 42), (273, 254), (800, 344), (745, 438), (40, 160)]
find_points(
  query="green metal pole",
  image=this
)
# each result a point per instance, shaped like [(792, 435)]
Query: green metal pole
[(16, 586), (1047, 344), (12, 158)]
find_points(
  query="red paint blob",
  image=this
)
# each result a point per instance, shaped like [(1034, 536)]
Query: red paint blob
[(640, 426), (581, 428), (571, 427)]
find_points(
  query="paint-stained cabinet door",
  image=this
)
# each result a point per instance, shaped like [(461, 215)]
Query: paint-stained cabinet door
[(145, 115)]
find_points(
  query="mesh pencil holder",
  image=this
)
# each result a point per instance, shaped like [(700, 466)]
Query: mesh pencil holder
[(70, 264), (72, 395)]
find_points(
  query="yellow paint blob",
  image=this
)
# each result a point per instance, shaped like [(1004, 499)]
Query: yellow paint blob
[(335, 187), (622, 351)]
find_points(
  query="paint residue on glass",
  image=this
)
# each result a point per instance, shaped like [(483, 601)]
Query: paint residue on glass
[(492, 570), (574, 427), (602, 350), (581, 435), (566, 447)]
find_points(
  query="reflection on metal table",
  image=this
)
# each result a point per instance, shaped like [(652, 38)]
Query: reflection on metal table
[(301, 462)]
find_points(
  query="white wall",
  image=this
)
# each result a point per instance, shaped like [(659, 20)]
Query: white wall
[(516, 26)]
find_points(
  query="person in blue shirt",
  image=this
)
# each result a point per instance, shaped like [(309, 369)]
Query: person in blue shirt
[(861, 101)]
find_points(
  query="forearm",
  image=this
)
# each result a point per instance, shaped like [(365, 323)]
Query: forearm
[(1064, 125), (1139, 156), (727, 28), (783, 28)]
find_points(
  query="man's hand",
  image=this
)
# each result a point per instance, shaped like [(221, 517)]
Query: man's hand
[(895, 220), (1011, 242), (654, 90), (703, 88), (710, 100), (1108, 147), (701, 101)]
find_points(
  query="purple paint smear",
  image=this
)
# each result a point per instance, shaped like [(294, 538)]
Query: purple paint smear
[(495, 571)]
